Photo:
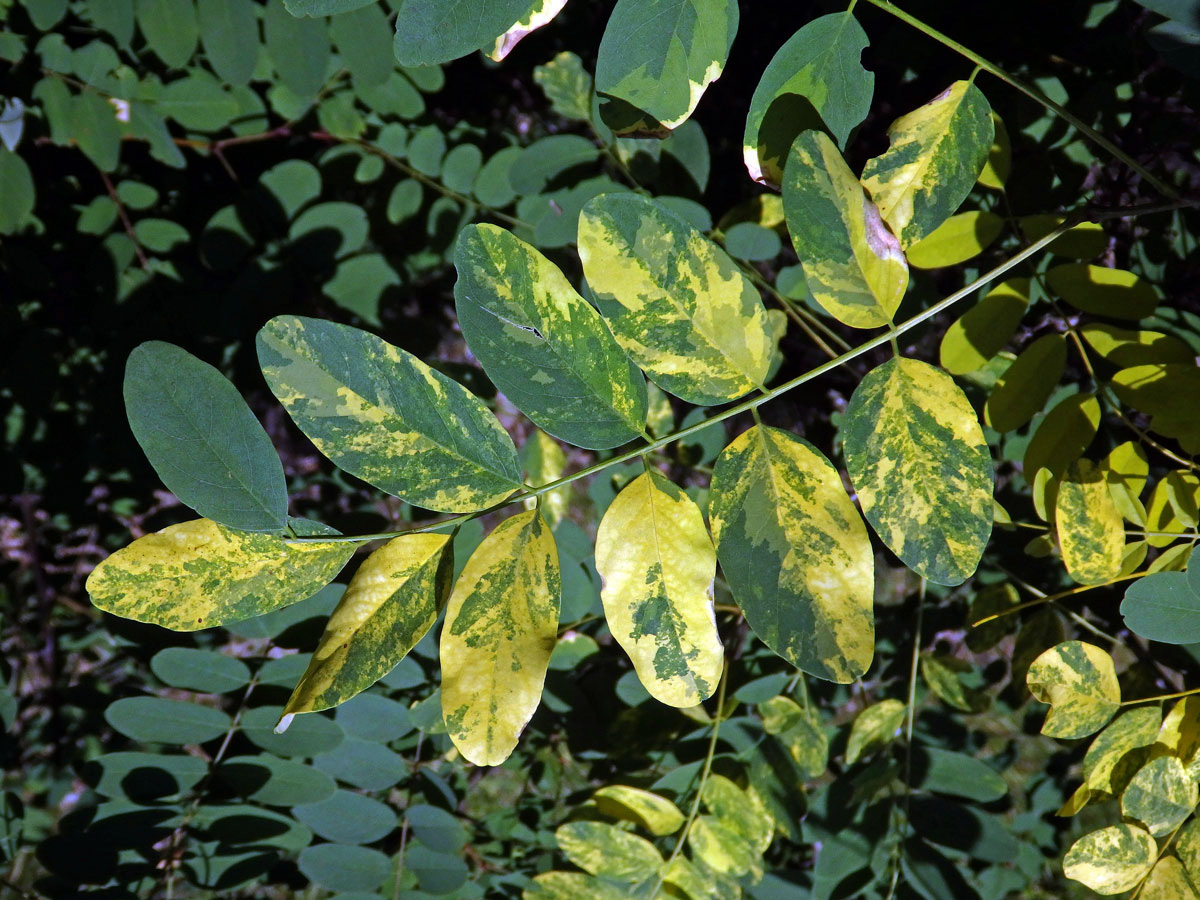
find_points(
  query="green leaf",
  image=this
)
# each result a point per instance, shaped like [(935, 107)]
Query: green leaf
[(573, 886), (956, 240), (567, 85), (795, 552), (658, 56), (348, 818), (799, 731), (537, 14), (383, 415), (202, 439), (1062, 436), (144, 777), (657, 567), (956, 774), (92, 124), (1079, 682), (199, 574), (206, 671), (852, 262), (360, 283), (1103, 291), (656, 814), (1165, 606), (1026, 385), (373, 717), (1090, 530), (310, 736), (918, 459), (607, 851), (1082, 241), (272, 781), (740, 811), (429, 32), (363, 39), (935, 157), (197, 102), (873, 729), (17, 198), (815, 80), (675, 301), (170, 29), (542, 344), (298, 49), (944, 676), (1160, 796), (341, 867), (229, 33), (501, 626), (391, 602), (1112, 860), (318, 8), (159, 721), (435, 828)]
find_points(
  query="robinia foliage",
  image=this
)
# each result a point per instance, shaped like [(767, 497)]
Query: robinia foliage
[(646, 310)]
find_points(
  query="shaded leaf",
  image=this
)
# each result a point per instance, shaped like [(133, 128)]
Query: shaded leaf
[(1026, 385), (981, 332)]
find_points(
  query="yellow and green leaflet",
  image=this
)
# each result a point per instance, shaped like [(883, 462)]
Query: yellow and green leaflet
[(540, 12), (567, 85), (1026, 385), (656, 814), (1103, 291), (573, 886), (1160, 796), (799, 732), (852, 262), (675, 301), (1180, 732), (544, 462), (392, 600), (816, 77), (501, 626), (1079, 682), (199, 574), (981, 332), (608, 851), (1112, 860), (542, 344), (944, 676), (1119, 750), (1187, 846), (873, 729), (918, 459), (795, 552), (695, 882), (1125, 471), (956, 240), (999, 161), (657, 566), (1090, 529), (658, 56), (742, 811), (720, 847), (936, 154), (383, 415), (1168, 881)]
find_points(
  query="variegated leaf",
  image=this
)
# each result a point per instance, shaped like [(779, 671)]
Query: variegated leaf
[(918, 459), (1091, 531), (383, 415), (542, 344), (656, 814), (608, 851), (501, 626), (935, 157), (1169, 881), (657, 567), (853, 264), (1160, 796), (795, 552), (572, 886), (540, 12), (674, 300), (657, 57), (199, 574), (873, 729), (1112, 860), (1079, 682), (392, 600)]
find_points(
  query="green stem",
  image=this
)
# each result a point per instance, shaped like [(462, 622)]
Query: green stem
[(744, 406), (1174, 696), (704, 773), (1030, 92)]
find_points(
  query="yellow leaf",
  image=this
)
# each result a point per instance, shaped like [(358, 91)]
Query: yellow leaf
[(985, 328), (656, 814), (956, 240), (392, 600), (873, 729), (199, 574), (501, 627), (1112, 860), (657, 566), (1079, 681), (1090, 529), (1168, 881)]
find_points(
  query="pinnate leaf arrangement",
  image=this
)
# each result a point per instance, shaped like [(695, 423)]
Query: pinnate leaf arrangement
[(788, 530)]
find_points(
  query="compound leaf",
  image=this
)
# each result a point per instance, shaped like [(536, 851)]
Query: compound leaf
[(381, 414), (815, 79), (658, 56), (853, 264), (674, 300), (392, 600), (1079, 682), (795, 552), (921, 467), (542, 344), (203, 440), (501, 626), (657, 567), (935, 157), (199, 574)]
